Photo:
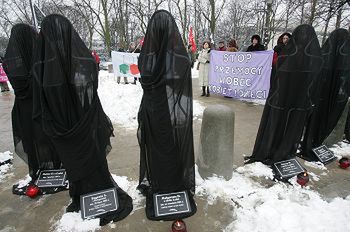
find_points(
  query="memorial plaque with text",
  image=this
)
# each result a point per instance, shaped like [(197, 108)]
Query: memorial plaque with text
[(324, 154), (97, 203), (288, 168), (171, 203), (51, 178)]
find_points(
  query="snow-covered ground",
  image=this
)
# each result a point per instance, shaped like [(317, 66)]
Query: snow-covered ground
[(121, 102), (5, 168), (259, 208)]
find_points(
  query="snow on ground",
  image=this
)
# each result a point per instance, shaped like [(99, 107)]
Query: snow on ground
[(317, 165), (70, 222), (5, 156), (256, 207), (121, 102), (281, 207), (341, 150)]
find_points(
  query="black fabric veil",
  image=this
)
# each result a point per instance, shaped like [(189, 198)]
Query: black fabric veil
[(165, 116), (31, 144), (334, 92), (71, 113), (291, 101)]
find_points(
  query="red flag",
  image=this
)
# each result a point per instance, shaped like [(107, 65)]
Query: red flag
[(141, 41), (191, 40)]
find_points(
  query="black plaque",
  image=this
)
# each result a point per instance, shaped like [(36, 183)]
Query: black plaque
[(288, 168), (97, 203), (324, 154), (51, 178), (171, 203)]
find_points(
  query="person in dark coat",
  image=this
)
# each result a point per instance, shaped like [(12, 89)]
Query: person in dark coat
[(68, 105), (256, 44), (334, 92), (30, 142), (281, 42), (165, 116), (221, 46), (291, 101)]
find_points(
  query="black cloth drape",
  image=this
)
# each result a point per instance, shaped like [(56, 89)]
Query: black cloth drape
[(31, 144), (291, 100), (68, 105), (165, 116), (334, 91)]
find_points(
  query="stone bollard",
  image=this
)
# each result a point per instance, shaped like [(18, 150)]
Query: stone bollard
[(110, 68), (215, 155), (337, 133)]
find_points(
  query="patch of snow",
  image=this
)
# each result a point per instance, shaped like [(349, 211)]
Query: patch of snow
[(4, 156), (317, 165), (281, 207), (25, 181), (73, 222), (341, 150), (121, 102), (130, 187)]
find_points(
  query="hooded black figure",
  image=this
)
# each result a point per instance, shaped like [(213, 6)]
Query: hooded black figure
[(334, 92), (165, 117), (71, 113), (31, 144), (291, 99)]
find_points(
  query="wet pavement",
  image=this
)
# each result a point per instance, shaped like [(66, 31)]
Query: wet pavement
[(25, 214)]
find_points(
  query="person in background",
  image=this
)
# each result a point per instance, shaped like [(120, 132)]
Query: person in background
[(3, 78), (204, 60), (221, 46), (191, 55), (97, 59), (232, 46), (281, 42), (256, 44)]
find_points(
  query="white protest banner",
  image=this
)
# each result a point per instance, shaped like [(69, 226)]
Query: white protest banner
[(125, 64)]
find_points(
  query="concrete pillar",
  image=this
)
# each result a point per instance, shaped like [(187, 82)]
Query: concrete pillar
[(215, 155), (337, 134)]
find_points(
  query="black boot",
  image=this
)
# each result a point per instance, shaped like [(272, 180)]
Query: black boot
[(203, 89), (208, 94)]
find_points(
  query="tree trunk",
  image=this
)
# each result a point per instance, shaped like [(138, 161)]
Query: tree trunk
[(212, 19), (107, 34), (339, 14), (302, 12), (287, 16), (313, 10)]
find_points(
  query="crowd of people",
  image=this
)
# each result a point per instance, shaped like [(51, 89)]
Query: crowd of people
[(204, 57)]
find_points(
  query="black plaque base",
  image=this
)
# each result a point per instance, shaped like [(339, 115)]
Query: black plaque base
[(287, 169), (51, 178), (98, 203), (171, 203), (324, 154)]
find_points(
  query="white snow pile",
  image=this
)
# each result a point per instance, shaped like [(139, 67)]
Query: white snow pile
[(73, 222), (341, 150), (4, 168), (281, 207), (121, 102), (24, 182)]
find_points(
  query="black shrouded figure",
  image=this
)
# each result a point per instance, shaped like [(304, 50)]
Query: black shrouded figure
[(31, 144), (71, 113), (165, 117), (290, 101), (334, 92)]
